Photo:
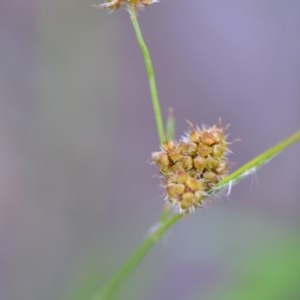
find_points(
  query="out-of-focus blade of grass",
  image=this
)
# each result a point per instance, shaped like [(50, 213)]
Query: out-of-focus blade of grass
[(170, 126), (86, 278), (273, 274), (110, 290)]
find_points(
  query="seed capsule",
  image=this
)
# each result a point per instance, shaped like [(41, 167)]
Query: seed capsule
[(222, 168), (187, 200), (212, 163), (195, 135), (194, 184), (218, 135), (189, 149), (191, 167), (163, 162), (218, 150), (204, 150), (187, 162), (208, 138), (198, 196), (199, 163), (210, 176), (175, 189)]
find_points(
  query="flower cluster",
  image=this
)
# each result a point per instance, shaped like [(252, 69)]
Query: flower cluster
[(135, 4), (193, 166)]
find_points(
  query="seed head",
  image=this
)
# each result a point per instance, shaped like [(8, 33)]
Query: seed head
[(192, 166), (133, 4)]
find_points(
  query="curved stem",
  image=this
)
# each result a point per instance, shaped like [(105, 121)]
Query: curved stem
[(151, 76)]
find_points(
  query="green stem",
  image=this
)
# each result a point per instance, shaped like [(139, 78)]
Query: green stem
[(108, 292), (151, 76)]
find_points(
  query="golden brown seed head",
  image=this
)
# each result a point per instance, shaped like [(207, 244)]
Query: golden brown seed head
[(193, 166)]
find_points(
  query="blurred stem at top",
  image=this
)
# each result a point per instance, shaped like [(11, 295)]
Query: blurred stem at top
[(151, 76)]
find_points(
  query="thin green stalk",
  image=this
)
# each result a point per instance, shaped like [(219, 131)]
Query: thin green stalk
[(111, 288), (151, 76)]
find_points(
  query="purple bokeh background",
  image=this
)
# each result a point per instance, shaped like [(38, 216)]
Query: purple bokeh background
[(77, 130)]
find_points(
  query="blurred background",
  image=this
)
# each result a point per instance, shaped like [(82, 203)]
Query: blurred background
[(77, 193)]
